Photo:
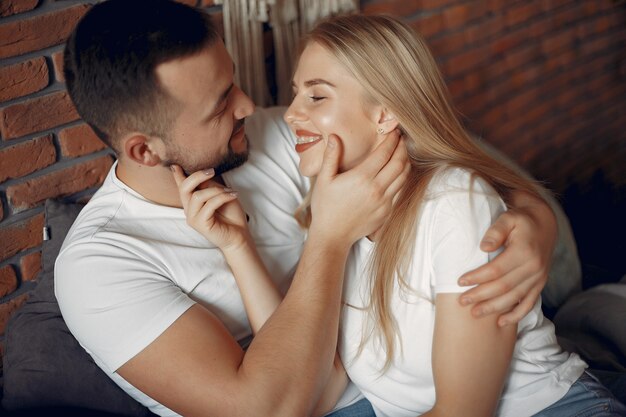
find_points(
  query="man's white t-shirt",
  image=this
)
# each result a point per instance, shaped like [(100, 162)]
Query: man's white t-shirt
[(129, 267), (456, 213)]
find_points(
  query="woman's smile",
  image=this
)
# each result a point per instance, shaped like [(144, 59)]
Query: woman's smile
[(306, 139)]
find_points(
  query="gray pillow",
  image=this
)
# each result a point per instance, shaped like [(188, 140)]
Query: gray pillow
[(44, 365)]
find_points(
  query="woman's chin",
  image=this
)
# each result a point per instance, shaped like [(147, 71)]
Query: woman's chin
[(308, 169)]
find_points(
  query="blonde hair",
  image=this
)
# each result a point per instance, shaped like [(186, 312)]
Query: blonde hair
[(397, 70)]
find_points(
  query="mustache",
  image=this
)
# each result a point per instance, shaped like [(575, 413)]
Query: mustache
[(238, 125)]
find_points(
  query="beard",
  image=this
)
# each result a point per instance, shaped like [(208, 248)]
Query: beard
[(231, 160)]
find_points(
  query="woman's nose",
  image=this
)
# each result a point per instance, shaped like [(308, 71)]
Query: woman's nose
[(293, 113)]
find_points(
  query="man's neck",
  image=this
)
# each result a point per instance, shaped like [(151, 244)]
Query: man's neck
[(153, 183)]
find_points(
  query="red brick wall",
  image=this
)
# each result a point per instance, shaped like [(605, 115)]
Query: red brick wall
[(45, 150), (542, 80)]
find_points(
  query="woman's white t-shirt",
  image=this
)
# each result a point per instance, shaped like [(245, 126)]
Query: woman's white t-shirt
[(457, 210)]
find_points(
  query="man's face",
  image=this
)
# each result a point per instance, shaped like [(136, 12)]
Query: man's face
[(209, 130)]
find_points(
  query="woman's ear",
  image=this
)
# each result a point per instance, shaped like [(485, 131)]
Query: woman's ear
[(142, 149), (386, 122)]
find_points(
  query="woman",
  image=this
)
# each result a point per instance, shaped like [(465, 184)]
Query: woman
[(388, 329), (405, 341)]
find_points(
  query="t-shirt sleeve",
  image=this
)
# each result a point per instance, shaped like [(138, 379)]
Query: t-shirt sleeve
[(114, 309), (462, 215)]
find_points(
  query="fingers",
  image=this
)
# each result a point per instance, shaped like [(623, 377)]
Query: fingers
[(179, 175), (498, 233), (199, 199), (213, 203), (494, 288), (187, 185), (522, 309), (396, 186), (380, 156), (502, 295), (488, 272), (396, 171), (332, 154)]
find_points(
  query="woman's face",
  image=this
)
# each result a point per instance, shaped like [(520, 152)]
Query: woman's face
[(328, 100)]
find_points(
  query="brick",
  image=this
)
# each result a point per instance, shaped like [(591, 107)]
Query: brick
[(456, 16), (590, 47), (537, 111), (21, 236), (30, 265), (483, 30), (428, 26), (520, 14), (28, 35), (538, 29), (474, 81), (392, 7), (436, 4), (57, 61), (505, 43), (522, 56), (79, 140), (567, 16), (20, 160), (448, 44), (493, 116), (64, 182), (8, 280), (495, 68), (561, 61), (466, 60), (498, 91), (473, 105), (520, 101), (526, 76), (7, 309), (496, 5), (557, 42), (590, 8), (567, 97), (456, 87), (22, 79), (36, 114), (10, 7)]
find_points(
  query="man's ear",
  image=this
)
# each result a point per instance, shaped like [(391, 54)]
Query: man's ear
[(142, 149), (386, 122)]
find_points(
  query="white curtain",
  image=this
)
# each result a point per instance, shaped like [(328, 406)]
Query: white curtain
[(289, 19)]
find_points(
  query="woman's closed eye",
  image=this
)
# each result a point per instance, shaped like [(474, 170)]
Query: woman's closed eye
[(316, 98)]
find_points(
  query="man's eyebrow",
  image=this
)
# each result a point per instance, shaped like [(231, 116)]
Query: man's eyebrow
[(223, 95), (220, 100)]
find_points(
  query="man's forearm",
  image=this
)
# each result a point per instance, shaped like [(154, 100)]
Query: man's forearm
[(293, 353)]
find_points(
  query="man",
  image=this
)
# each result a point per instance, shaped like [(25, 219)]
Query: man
[(151, 300)]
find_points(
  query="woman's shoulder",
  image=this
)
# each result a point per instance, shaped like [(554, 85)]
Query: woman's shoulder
[(461, 193), (453, 182)]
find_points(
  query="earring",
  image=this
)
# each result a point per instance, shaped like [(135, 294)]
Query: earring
[(380, 130)]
